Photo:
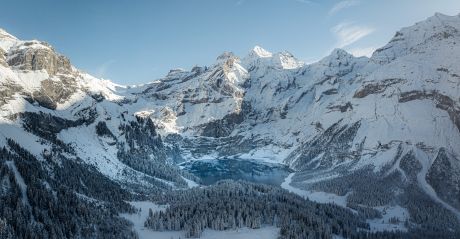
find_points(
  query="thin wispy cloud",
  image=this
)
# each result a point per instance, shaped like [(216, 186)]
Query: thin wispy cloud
[(348, 33), (101, 71), (342, 5)]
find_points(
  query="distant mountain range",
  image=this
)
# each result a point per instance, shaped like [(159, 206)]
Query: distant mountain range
[(379, 133)]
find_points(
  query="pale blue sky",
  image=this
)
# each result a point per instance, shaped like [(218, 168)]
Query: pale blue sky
[(134, 41)]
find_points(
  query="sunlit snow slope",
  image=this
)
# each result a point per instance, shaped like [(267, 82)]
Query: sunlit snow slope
[(393, 119)]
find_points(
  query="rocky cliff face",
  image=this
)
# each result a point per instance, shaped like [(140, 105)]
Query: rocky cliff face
[(35, 56), (2, 57)]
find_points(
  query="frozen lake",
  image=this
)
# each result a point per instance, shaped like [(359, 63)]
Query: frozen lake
[(211, 171)]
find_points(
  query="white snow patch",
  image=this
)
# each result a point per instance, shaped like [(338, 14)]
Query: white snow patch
[(27, 140), (260, 52), (320, 197), (190, 183), (139, 218)]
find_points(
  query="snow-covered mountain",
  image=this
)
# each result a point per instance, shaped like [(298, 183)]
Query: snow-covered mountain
[(380, 131)]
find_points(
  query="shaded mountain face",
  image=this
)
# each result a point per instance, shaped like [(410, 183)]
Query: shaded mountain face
[(343, 124)]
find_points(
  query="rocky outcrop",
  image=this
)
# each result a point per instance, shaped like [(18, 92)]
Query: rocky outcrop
[(375, 88), (443, 102), (7, 90), (341, 108), (35, 55), (222, 127), (2, 57), (54, 91), (219, 83)]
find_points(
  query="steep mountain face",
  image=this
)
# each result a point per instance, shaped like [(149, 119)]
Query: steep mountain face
[(381, 131), (73, 149), (59, 108)]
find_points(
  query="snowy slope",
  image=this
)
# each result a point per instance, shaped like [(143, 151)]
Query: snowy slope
[(333, 119), (48, 106)]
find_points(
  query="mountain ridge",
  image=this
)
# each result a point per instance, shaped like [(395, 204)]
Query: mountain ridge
[(392, 119)]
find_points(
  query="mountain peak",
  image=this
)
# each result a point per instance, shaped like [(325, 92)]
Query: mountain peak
[(5, 34), (286, 60), (439, 19), (260, 52), (226, 56), (175, 71), (339, 53), (438, 14), (427, 34), (6, 40), (261, 57), (443, 16)]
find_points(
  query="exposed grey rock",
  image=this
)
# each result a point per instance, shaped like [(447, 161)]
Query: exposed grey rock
[(219, 83), (42, 100), (374, 88), (53, 91), (341, 108), (2, 57), (34, 56), (332, 91), (443, 102), (7, 90), (222, 127), (98, 97)]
